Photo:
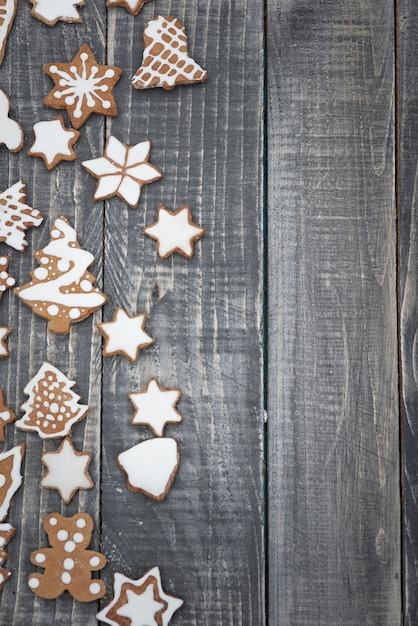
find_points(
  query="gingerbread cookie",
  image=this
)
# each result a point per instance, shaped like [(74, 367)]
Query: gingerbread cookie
[(67, 563), (6, 416), (166, 61), (139, 602), (51, 11), (16, 216), (122, 171), (61, 289), (133, 6), (125, 335), (52, 407), (11, 133), (4, 350), (6, 533), (10, 476), (151, 466), (6, 281), (83, 87), (53, 142), (174, 232), (7, 14), (155, 407), (66, 470)]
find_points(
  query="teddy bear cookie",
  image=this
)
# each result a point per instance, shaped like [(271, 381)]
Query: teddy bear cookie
[(67, 563)]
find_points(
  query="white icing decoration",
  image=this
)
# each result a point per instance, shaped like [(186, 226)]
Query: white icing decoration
[(51, 11), (125, 335), (53, 309), (67, 473), (53, 142), (81, 523), (15, 211), (141, 608), (86, 285), (155, 407), (66, 578), (62, 535), (150, 465), (16, 454), (11, 133), (174, 232), (94, 588), (94, 561), (70, 546), (74, 314), (8, 10), (40, 558), (158, 30), (53, 521), (34, 583), (41, 273), (69, 563), (173, 603), (74, 411), (2, 480), (122, 171)]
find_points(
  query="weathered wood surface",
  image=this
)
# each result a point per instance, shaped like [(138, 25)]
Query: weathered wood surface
[(205, 314), (334, 497)]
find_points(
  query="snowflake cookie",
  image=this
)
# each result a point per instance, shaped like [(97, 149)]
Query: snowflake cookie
[(139, 602), (155, 407), (6, 281), (7, 531), (54, 142), (11, 133), (52, 408), (174, 232), (122, 171), (10, 476), (6, 416), (67, 563), (16, 216), (83, 87), (125, 335), (166, 61), (51, 11), (7, 14), (61, 289), (66, 470), (151, 466)]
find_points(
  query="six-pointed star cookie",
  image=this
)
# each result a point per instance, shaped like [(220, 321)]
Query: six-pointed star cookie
[(66, 470), (125, 335), (54, 142), (174, 232), (142, 601), (82, 87), (122, 171), (6, 415), (51, 11), (4, 350), (133, 6), (155, 407)]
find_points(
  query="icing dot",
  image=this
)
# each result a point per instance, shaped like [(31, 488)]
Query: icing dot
[(53, 521), (63, 265), (86, 285), (74, 313), (69, 546), (94, 588), (40, 273), (53, 309), (3, 275), (62, 535), (3, 260), (33, 583), (2, 480), (40, 558), (66, 578), (106, 104), (10, 281), (44, 260), (68, 563), (54, 408), (94, 561), (78, 537), (2, 288), (53, 69), (110, 73), (77, 113), (83, 56), (81, 523), (55, 233)]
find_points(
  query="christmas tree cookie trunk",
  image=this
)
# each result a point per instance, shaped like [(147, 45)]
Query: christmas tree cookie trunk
[(61, 289)]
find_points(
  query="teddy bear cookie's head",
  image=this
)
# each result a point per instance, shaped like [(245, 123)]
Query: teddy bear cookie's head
[(69, 533)]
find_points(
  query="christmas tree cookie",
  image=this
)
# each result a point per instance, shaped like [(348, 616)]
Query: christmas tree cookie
[(16, 216)]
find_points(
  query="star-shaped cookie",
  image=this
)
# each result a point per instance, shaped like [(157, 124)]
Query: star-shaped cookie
[(66, 470), (155, 407), (6, 415), (125, 335), (51, 11), (54, 142), (122, 171), (141, 601), (4, 350), (174, 232), (82, 87), (133, 6)]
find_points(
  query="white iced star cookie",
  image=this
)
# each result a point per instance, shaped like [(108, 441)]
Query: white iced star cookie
[(125, 335), (122, 171), (141, 601), (51, 11), (133, 6), (174, 232), (11, 133), (151, 466), (155, 407), (4, 350), (66, 470), (53, 142)]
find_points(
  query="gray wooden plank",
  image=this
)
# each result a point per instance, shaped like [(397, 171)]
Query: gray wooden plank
[(408, 132), (31, 45), (333, 402), (205, 314)]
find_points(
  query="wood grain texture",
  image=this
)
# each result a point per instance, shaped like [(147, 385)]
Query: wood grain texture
[(334, 497), (205, 314), (408, 133)]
